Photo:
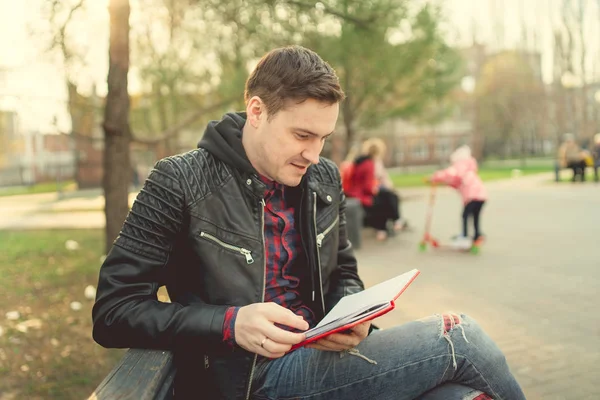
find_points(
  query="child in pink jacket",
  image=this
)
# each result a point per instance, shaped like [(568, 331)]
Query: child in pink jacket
[(462, 176)]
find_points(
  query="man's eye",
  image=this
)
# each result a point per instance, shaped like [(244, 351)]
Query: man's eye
[(302, 137)]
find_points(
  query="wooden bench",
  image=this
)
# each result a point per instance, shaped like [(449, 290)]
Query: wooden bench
[(558, 168), (140, 375)]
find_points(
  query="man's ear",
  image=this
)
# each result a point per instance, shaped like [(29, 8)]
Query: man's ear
[(255, 111)]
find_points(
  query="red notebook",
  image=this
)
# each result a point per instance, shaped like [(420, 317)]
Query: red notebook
[(360, 307)]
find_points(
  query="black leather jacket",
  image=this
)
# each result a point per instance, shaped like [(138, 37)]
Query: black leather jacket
[(197, 227)]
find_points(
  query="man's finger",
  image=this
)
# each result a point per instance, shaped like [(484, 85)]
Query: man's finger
[(262, 352), (282, 336), (275, 348), (348, 340), (317, 346), (291, 320), (329, 345), (283, 316), (362, 330), (323, 345)]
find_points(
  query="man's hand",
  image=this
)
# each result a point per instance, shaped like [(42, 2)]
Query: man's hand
[(343, 341), (256, 332)]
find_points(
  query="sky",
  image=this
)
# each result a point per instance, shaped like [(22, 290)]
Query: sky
[(31, 79), (32, 83)]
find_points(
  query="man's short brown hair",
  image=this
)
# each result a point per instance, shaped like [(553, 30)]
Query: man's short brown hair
[(292, 73)]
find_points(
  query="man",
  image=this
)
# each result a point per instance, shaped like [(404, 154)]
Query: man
[(248, 234)]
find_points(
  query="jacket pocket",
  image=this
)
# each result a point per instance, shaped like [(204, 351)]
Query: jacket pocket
[(240, 250), (321, 236)]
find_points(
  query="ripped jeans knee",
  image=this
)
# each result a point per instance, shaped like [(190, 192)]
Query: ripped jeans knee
[(449, 322)]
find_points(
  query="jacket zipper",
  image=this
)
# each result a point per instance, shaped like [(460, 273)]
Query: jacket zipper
[(262, 298), (318, 254), (321, 236), (303, 237), (245, 252)]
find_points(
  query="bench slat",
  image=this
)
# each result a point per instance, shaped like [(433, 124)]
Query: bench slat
[(141, 374)]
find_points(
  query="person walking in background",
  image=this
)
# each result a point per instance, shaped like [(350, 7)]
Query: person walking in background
[(462, 175)]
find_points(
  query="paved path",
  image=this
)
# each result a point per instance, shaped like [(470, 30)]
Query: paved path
[(81, 209), (534, 286)]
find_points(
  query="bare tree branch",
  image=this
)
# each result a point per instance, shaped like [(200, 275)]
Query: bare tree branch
[(363, 23), (59, 39), (359, 22), (187, 121)]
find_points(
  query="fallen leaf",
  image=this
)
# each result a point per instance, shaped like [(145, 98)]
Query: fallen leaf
[(34, 323), (90, 292), (71, 245), (13, 315)]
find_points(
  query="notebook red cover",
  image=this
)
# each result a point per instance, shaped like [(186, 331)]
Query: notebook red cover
[(360, 307)]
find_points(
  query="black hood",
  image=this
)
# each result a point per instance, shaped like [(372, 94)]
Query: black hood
[(223, 139)]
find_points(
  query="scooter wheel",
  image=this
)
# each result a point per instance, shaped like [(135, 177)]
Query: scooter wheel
[(475, 250), (422, 247)]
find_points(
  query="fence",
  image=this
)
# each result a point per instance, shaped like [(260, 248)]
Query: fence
[(28, 175)]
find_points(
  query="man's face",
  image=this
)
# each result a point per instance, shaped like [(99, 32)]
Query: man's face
[(286, 144)]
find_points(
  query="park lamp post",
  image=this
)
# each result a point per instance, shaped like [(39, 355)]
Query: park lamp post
[(597, 100), (570, 81)]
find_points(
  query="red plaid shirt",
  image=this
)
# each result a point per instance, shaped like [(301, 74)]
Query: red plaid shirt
[(285, 259)]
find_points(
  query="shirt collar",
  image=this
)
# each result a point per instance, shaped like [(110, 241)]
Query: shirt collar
[(271, 186)]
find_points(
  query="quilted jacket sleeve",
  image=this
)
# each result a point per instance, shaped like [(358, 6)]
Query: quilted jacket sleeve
[(127, 312)]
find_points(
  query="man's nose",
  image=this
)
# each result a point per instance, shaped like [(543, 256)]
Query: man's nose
[(311, 154), (312, 151)]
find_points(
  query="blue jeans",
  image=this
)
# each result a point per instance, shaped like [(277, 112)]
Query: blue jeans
[(440, 357)]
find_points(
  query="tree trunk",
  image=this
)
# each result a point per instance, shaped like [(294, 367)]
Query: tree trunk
[(348, 118), (117, 136)]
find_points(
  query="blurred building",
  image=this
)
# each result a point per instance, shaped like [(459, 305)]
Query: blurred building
[(33, 157), (413, 143)]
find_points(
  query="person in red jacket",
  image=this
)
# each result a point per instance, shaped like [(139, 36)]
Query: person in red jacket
[(364, 181)]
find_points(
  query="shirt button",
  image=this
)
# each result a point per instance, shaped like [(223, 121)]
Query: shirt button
[(249, 182), (329, 198)]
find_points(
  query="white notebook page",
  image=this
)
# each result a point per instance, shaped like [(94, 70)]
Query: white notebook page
[(381, 293)]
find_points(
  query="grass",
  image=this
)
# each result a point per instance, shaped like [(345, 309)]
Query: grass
[(491, 173), (48, 187), (40, 278)]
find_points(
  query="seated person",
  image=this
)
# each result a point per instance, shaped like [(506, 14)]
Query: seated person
[(368, 182), (231, 229), (570, 156)]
